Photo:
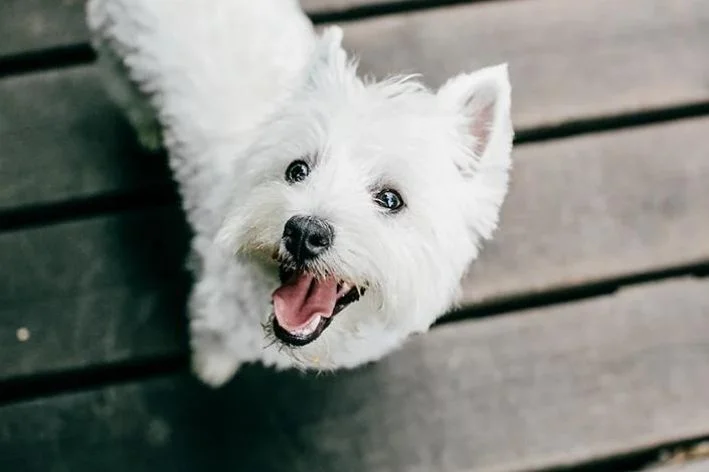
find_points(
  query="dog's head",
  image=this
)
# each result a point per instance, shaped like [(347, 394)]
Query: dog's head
[(369, 200)]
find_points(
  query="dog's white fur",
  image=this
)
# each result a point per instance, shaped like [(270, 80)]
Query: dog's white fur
[(238, 89)]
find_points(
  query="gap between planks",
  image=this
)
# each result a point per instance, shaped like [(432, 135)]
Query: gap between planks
[(653, 459), (627, 226), (39, 385), (28, 216), (615, 377), (53, 56), (83, 134)]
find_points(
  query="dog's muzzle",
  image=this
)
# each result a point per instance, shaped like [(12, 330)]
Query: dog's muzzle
[(306, 302)]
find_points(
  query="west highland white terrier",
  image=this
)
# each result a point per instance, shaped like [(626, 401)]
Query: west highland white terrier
[(333, 216)]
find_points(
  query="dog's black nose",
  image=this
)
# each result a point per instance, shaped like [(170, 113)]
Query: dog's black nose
[(306, 237)]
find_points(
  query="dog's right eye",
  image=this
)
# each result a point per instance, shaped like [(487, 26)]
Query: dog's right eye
[(389, 199), (297, 171)]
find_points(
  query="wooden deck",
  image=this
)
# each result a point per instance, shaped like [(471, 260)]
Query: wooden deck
[(584, 340)]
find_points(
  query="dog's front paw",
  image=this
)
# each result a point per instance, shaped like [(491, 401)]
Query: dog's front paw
[(214, 368)]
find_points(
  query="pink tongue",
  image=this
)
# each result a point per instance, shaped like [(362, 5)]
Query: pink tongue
[(298, 301)]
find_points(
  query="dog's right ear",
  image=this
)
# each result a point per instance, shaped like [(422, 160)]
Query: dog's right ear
[(327, 57), (483, 99)]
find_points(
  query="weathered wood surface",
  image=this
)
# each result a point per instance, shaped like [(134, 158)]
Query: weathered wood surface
[(597, 207), (33, 25), (544, 388), (576, 59), (62, 139), (647, 54), (104, 290), (344, 5), (580, 210)]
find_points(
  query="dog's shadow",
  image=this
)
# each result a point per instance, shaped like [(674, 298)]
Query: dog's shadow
[(143, 237), (265, 420)]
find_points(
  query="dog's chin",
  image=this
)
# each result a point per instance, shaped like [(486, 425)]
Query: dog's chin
[(305, 304)]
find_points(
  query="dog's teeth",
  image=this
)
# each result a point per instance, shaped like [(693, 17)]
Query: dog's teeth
[(344, 288), (308, 329)]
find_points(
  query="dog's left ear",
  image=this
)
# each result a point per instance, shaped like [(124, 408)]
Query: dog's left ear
[(328, 56), (483, 101)]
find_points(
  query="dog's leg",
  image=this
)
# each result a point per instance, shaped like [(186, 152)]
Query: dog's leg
[(125, 93), (225, 331), (212, 362)]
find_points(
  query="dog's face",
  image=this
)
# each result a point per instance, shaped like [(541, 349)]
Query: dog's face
[(367, 202)]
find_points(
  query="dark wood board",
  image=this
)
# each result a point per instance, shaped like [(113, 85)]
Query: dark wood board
[(546, 388), (650, 53), (34, 25), (580, 210), (91, 292), (568, 60), (331, 6), (62, 139), (599, 206)]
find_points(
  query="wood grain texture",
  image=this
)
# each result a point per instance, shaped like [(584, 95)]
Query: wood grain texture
[(343, 5), (580, 210), (596, 207), (34, 25), (62, 139), (549, 387), (567, 59), (92, 292), (650, 53)]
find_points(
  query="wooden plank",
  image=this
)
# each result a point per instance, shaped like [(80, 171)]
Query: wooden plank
[(650, 53), (317, 6), (549, 388), (596, 207), (33, 25), (86, 293), (575, 59), (62, 139), (580, 210)]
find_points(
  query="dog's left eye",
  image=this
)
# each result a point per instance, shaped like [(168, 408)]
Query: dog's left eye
[(297, 171), (389, 199)]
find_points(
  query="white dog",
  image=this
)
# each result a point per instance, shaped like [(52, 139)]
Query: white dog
[(333, 216)]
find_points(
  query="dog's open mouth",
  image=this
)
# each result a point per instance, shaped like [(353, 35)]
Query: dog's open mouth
[(304, 306)]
